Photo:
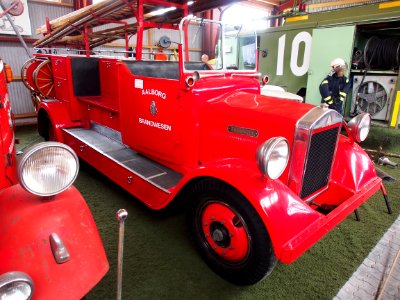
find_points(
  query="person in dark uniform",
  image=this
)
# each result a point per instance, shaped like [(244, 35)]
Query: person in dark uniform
[(335, 86)]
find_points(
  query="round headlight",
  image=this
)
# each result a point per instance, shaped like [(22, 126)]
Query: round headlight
[(16, 285), (359, 127), (273, 156), (47, 169)]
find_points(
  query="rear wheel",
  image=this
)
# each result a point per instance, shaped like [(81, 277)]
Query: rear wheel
[(229, 234)]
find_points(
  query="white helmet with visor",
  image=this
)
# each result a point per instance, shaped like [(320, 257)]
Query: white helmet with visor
[(338, 64)]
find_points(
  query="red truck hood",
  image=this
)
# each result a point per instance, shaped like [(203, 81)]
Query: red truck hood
[(269, 116), (237, 123)]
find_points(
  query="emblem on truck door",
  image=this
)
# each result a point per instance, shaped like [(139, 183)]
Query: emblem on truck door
[(153, 108), (243, 131)]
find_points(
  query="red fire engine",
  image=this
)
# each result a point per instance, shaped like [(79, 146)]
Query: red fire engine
[(49, 244), (265, 178)]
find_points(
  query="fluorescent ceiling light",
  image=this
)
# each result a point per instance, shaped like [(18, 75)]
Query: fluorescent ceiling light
[(160, 11)]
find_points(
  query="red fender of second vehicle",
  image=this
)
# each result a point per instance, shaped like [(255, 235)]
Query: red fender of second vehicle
[(28, 221), (7, 160)]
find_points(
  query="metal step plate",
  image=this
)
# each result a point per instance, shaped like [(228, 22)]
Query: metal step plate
[(108, 142)]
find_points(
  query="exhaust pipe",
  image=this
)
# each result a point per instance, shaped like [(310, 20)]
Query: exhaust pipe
[(122, 214)]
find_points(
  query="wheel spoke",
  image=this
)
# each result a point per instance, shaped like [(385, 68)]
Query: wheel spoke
[(44, 73), (46, 85), (50, 90), (45, 79)]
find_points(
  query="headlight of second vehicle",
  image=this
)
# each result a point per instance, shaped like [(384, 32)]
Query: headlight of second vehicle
[(359, 127), (15, 285), (47, 169), (273, 156)]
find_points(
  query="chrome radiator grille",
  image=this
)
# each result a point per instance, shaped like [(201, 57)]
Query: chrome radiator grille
[(313, 153), (319, 161)]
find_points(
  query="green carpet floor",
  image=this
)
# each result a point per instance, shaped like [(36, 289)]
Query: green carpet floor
[(160, 261)]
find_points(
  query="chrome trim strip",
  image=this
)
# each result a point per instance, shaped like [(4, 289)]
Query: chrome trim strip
[(255, 75), (60, 251), (318, 118), (314, 119), (117, 162), (313, 196), (157, 175)]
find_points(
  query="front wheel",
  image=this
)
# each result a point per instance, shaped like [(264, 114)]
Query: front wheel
[(229, 234)]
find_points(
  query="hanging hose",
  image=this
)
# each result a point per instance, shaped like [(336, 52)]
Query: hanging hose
[(382, 53), (379, 53)]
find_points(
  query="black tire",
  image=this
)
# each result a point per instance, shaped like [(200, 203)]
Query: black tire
[(259, 260)]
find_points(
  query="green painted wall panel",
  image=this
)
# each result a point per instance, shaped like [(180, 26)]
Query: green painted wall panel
[(284, 58), (327, 44)]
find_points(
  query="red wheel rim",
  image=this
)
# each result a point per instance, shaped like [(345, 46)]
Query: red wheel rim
[(225, 232), (27, 73), (43, 77)]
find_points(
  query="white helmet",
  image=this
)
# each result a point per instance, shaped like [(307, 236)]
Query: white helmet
[(338, 63)]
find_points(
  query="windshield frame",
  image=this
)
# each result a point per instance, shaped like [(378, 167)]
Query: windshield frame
[(185, 52)]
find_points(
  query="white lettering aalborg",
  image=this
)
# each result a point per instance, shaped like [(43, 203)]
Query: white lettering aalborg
[(153, 92), (155, 124)]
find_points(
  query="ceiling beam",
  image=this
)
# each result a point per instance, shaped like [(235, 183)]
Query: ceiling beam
[(265, 2)]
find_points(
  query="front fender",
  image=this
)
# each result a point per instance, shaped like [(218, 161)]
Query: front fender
[(28, 221), (293, 225), (352, 168), (283, 213)]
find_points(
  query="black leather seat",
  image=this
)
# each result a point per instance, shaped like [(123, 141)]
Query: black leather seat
[(156, 69)]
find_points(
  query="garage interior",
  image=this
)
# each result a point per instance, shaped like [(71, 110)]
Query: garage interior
[(357, 259)]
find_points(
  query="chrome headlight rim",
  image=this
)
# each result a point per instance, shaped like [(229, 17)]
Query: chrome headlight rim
[(38, 147), (358, 125), (264, 153), (11, 278)]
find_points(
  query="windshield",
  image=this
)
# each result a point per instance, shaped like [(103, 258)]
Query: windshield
[(214, 46)]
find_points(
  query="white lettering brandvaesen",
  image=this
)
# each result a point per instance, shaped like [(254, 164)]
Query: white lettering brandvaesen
[(155, 124)]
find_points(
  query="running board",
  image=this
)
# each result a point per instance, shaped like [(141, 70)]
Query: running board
[(108, 143)]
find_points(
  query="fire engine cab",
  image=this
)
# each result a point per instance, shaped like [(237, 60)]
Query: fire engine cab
[(49, 244), (264, 178)]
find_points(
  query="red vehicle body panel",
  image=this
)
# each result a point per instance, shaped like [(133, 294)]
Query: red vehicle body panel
[(28, 220), (181, 110), (25, 244), (7, 160)]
